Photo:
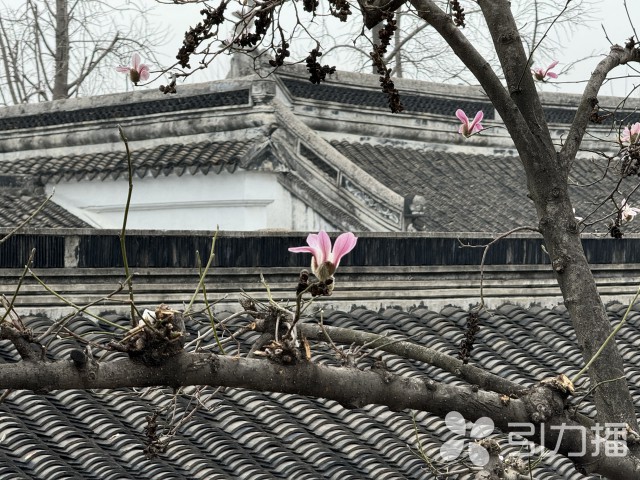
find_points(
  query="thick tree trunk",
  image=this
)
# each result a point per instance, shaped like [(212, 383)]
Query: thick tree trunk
[(581, 297), (61, 75), (520, 108), (548, 188), (397, 71), (375, 38)]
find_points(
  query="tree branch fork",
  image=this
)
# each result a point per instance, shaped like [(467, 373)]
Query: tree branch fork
[(541, 406)]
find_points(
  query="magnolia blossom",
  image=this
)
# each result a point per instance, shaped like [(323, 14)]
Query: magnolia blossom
[(541, 74), (627, 212), (325, 260), (631, 134), (469, 128), (138, 72)]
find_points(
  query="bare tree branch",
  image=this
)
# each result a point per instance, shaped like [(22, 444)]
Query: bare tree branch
[(470, 373), (515, 66), (347, 386), (617, 56), (465, 51)]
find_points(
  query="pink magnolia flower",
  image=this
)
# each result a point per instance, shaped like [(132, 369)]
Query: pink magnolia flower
[(469, 128), (138, 72), (325, 261), (628, 212), (541, 74), (631, 134)]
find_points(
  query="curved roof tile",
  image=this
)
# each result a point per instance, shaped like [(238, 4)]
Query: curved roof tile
[(253, 435)]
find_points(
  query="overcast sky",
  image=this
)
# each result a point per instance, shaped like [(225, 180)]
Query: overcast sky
[(589, 40)]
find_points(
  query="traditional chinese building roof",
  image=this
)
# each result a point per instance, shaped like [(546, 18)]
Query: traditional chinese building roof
[(251, 435), (22, 199), (124, 110), (377, 171), (202, 157), (401, 285), (446, 191)]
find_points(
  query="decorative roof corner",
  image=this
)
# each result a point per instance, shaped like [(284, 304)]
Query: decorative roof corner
[(322, 176), (260, 156), (263, 91)]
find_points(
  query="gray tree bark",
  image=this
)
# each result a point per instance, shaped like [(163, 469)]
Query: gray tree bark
[(520, 108), (349, 386), (61, 75)]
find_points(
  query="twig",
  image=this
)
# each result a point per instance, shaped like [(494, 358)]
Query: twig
[(9, 307), (566, 5), (203, 274), (73, 305), (248, 328), (175, 426), (275, 305), (621, 377), (423, 455), (272, 302), (221, 323), (80, 338), (13, 315), (5, 394), (633, 27), (299, 310), (123, 248), (61, 323), (207, 306), (27, 220), (484, 256)]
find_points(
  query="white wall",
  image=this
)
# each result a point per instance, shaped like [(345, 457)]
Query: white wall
[(244, 200)]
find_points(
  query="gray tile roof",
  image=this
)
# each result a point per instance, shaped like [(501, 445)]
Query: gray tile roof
[(124, 110), (470, 192), (375, 98), (566, 115), (245, 434), (202, 157), (16, 208), (426, 103)]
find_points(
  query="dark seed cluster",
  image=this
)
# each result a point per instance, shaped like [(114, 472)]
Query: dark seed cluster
[(201, 32), (310, 5), (318, 73), (615, 231), (263, 19), (282, 52), (340, 9), (377, 56), (458, 13), (473, 327)]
